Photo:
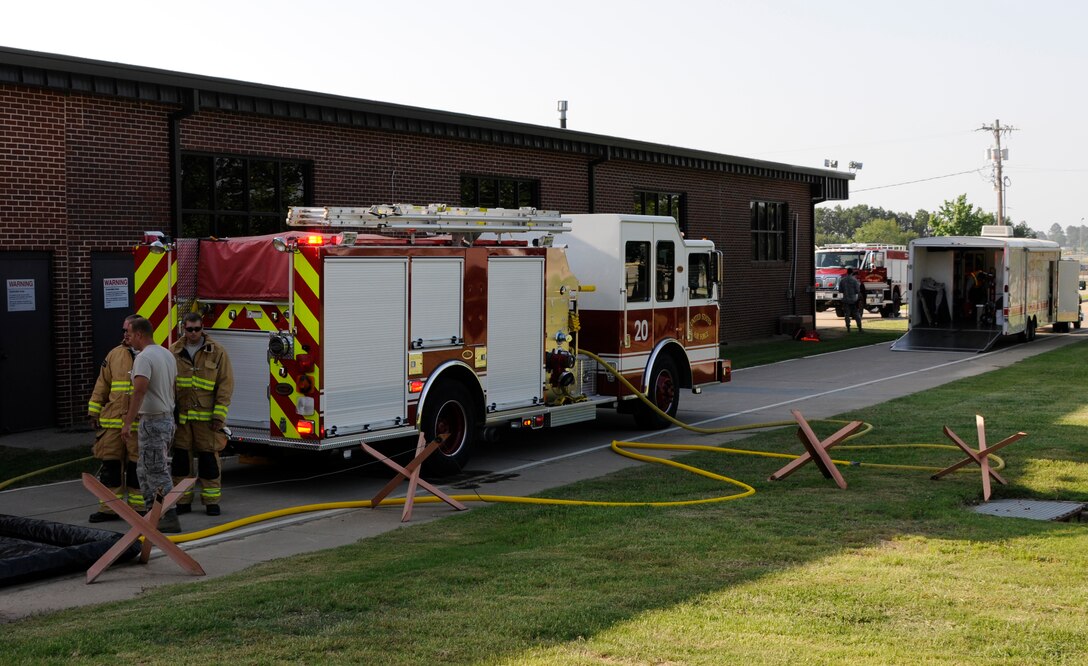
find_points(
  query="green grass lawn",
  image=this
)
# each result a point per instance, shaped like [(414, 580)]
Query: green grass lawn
[(894, 570), (780, 348)]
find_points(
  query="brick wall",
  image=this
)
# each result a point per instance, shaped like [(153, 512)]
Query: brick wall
[(84, 174), (362, 167)]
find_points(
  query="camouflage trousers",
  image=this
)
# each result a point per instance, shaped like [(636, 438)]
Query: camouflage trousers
[(153, 464)]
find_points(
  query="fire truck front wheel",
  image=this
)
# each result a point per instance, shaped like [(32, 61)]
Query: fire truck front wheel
[(664, 392), (449, 415)]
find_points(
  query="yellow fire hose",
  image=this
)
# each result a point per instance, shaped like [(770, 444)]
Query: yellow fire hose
[(620, 447)]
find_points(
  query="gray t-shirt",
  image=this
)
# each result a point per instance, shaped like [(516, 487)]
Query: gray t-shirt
[(157, 364)]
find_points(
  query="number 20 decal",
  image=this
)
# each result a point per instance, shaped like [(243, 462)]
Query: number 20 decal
[(642, 330)]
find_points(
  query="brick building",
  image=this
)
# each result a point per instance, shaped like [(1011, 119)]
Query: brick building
[(94, 153)]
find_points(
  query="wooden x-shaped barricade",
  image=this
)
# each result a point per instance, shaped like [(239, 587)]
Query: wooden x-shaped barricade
[(980, 457), (816, 450), (411, 473), (146, 526)]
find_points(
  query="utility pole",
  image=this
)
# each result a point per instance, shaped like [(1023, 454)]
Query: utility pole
[(998, 156)]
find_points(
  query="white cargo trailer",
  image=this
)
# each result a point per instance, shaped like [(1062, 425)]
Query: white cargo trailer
[(967, 292)]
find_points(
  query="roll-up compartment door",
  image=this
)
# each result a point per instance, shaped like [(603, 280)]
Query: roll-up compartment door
[(515, 333), (365, 342), (437, 297), (248, 353)]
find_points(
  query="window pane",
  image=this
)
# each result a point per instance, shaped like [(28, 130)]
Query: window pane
[(508, 197), (229, 177), (262, 186), (468, 191), (489, 194), (229, 226), (266, 224), (638, 203), (196, 181), (293, 179), (637, 267), (526, 196), (663, 207), (196, 226), (666, 270)]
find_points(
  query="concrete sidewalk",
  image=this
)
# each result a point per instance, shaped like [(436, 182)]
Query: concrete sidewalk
[(821, 386), (50, 439)]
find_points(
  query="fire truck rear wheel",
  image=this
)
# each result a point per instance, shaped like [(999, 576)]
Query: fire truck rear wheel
[(449, 413), (664, 391), (892, 309)]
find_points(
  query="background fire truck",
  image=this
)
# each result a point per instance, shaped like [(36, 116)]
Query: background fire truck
[(882, 270), (370, 324)]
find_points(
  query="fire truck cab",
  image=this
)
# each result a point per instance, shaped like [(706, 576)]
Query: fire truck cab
[(368, 324)]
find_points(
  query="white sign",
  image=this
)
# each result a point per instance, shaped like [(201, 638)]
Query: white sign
[(21, 295), (115, 293)]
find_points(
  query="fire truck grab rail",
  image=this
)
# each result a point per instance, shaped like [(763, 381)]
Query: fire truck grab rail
[(434, 217)]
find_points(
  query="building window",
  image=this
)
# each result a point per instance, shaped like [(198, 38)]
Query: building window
[(224, 195), (661, 203), (770, 241), (499, 192)]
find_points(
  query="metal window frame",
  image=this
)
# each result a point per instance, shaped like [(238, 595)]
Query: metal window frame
[(215, 212)]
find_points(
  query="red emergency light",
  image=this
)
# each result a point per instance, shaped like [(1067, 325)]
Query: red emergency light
[(314, 240), (305, 427)]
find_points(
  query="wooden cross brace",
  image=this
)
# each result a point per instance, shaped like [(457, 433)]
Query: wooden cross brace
[(411, 473), (980, 457), (816, 450), (146, 526)]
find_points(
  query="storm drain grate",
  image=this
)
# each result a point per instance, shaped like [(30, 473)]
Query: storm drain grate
[(1033, 509)]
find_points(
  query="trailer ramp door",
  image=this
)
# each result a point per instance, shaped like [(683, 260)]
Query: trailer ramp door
[(945, 339)]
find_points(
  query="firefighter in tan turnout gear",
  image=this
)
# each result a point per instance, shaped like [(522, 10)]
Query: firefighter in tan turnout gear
[(105, 410), (205, 383)]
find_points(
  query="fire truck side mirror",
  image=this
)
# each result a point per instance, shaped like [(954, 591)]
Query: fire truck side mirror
[(717, 268)]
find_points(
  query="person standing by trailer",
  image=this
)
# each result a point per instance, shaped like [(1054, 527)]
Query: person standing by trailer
[(153, 374), (105, 411), (205, 382), (851, 293)]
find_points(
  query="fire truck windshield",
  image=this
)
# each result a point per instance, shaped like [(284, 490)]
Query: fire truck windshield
[(839, 259)]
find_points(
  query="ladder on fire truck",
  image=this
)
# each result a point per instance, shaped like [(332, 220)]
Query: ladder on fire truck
[(860, 246), (437, 218)]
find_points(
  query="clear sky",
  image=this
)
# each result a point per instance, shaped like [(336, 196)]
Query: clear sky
[(902, 87)]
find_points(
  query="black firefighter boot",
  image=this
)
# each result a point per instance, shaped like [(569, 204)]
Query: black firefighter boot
[(169, 523)]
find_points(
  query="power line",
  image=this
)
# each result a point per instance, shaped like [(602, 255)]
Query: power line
[(921, 180)]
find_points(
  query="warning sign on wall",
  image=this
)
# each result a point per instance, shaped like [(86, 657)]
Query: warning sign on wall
[(115, 293), (21, 295)]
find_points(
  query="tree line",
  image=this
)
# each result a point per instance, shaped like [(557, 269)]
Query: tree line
[(956, 217)]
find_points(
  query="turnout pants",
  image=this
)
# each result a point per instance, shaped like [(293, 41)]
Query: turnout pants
[(118, 472), (196, 454)]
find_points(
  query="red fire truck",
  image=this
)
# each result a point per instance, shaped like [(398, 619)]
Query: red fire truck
[(881, 269), (368, 324)]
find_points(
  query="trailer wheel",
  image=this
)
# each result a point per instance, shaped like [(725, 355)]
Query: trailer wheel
[(1028, 333), (664, 392), (449, 413)]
